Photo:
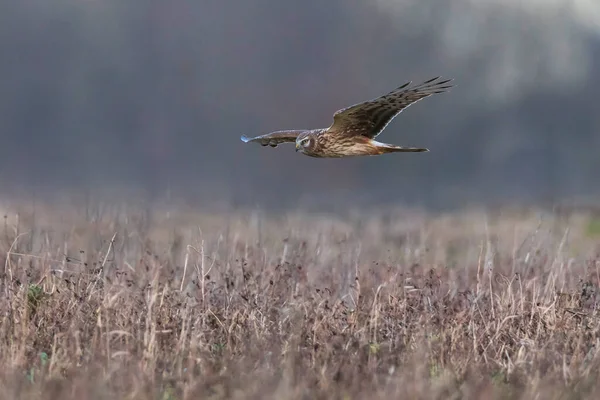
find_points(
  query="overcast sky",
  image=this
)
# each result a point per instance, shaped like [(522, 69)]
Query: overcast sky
[(154, 95)]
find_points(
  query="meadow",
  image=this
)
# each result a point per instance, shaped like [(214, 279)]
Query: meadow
[(125, 301)]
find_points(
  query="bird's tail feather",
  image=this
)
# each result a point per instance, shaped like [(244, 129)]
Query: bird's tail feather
[(384, 148)]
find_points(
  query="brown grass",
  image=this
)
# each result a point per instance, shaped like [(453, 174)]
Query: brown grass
[(122, 302)]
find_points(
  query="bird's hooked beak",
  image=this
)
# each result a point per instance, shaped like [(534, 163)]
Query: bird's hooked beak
[(297, 146)]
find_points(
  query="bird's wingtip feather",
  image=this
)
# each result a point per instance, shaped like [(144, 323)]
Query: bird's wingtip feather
[(245, 138)]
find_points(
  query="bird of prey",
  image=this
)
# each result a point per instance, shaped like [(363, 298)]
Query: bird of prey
[(354, 128)]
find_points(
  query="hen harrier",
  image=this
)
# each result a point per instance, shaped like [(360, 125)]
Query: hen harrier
[(354, 128)]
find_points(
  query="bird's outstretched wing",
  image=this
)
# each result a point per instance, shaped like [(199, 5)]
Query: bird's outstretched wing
[(371, 117), (274, 138)]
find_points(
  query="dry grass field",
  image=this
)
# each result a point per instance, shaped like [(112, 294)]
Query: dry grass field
[(127, 302)]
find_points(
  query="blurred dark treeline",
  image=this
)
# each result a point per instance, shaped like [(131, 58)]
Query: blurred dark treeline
[(155, 95)]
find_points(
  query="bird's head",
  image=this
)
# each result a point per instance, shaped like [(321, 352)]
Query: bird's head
[(305, 143)]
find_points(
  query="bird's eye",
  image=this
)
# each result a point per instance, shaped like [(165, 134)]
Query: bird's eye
[(305, 142)]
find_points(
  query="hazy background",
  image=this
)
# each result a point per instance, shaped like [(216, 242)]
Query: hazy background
[(154, 95)]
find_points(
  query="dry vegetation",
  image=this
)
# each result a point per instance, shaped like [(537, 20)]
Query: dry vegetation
[(124, 302)]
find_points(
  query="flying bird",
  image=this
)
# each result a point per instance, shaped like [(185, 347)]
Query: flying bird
[(354, 128)]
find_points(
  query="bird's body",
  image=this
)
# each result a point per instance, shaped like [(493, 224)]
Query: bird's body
[(327, 146), (354, 128)]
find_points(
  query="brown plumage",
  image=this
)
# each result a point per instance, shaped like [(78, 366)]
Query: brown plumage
[(354, 128)]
